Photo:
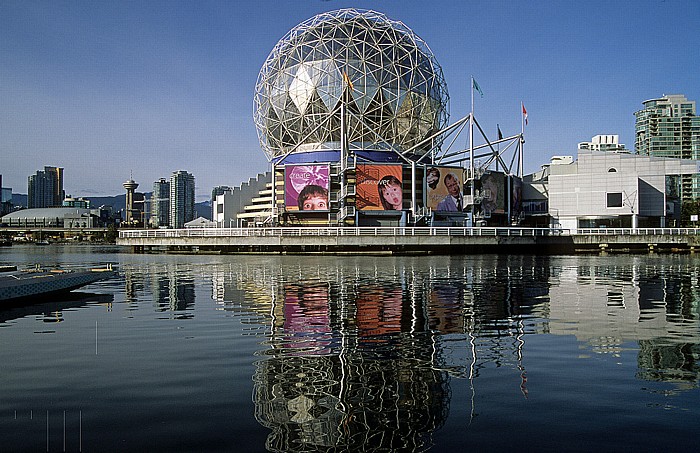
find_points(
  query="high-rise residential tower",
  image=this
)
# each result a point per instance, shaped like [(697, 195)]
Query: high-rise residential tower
[(160, 203), (181, 198), (668, 127), (45, 188)]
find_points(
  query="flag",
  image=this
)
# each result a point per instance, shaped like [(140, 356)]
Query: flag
[(524, 113), (347, 81), (500, 134), (477, 87)]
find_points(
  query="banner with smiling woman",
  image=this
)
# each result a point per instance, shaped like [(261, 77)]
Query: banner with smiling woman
[(306, 187), (379, 187)]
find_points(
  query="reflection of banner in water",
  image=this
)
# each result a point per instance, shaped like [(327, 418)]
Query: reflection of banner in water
[(378, 311), (306, 317), (298, 177), (368, 181), (445, 309)]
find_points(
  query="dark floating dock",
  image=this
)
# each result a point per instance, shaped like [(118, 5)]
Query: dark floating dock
[(410, 240)]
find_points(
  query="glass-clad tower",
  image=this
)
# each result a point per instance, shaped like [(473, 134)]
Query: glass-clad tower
[(181, 198), (160, 203), (45, 188), (668, 127)]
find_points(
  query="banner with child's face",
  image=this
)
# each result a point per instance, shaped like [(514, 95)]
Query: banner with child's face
[(306, 187), (379, 187)]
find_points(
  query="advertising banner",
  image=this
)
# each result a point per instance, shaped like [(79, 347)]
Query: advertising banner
[(379, 187), (306, 187), (444, 189), (516, 197), (493, 193)]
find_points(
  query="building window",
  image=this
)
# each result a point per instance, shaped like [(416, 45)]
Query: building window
[(615, 200), (612, 170)]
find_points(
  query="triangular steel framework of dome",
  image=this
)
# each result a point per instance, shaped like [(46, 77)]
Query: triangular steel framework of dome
[(397, 79)]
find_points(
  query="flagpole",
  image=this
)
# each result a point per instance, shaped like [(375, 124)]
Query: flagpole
[(498, 146), (471, 150), (522, 135), (522, 138)]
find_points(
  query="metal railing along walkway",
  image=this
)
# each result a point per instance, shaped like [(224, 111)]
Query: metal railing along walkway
[(340, 231), (637, 231)]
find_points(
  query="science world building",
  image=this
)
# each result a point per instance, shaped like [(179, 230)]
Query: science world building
[(350, 108)]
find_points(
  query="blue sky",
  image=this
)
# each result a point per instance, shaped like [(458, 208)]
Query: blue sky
[(106, 89)]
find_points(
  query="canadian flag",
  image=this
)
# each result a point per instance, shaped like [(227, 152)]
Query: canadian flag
[(524, 112)]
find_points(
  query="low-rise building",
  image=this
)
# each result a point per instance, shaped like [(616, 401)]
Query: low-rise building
[(63, 217), (603, 189)]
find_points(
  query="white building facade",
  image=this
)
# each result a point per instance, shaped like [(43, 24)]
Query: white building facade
[(604, 143), (604, 189)]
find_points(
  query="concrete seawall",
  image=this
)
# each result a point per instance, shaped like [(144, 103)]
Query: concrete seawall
[(402, 241)]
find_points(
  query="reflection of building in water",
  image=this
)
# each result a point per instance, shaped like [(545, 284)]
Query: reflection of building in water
[(170, 287), (248, 291), (348, 373), (364, 360), (660, 361), (358, 350), (180, 292), (656, 306)]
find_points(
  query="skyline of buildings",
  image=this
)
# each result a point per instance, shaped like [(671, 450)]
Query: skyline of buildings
[(667, 127)]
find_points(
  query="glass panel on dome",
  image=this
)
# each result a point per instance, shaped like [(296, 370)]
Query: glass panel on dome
[(330, 86), (370, 90), (278, 96), (301, 88)]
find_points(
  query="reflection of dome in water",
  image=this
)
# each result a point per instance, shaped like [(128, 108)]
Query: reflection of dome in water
[(398, 91), (325, 403)]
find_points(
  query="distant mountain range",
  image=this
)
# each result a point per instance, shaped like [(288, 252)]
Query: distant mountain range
[(118, 203)]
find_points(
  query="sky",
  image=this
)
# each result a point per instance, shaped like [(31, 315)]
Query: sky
[(112, 90)]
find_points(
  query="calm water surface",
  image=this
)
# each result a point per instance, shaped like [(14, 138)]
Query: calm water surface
[(256, 353)]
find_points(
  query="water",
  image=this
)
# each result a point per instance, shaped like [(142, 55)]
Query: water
[(256, 353)]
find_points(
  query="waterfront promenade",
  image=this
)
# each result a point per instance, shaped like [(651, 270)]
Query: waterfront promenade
[(411, 240)]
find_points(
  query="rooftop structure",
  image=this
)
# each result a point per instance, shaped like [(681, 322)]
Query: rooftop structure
[(70, 202), (609, 143)]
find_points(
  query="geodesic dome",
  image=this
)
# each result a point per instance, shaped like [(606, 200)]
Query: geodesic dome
[(395, 93)]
